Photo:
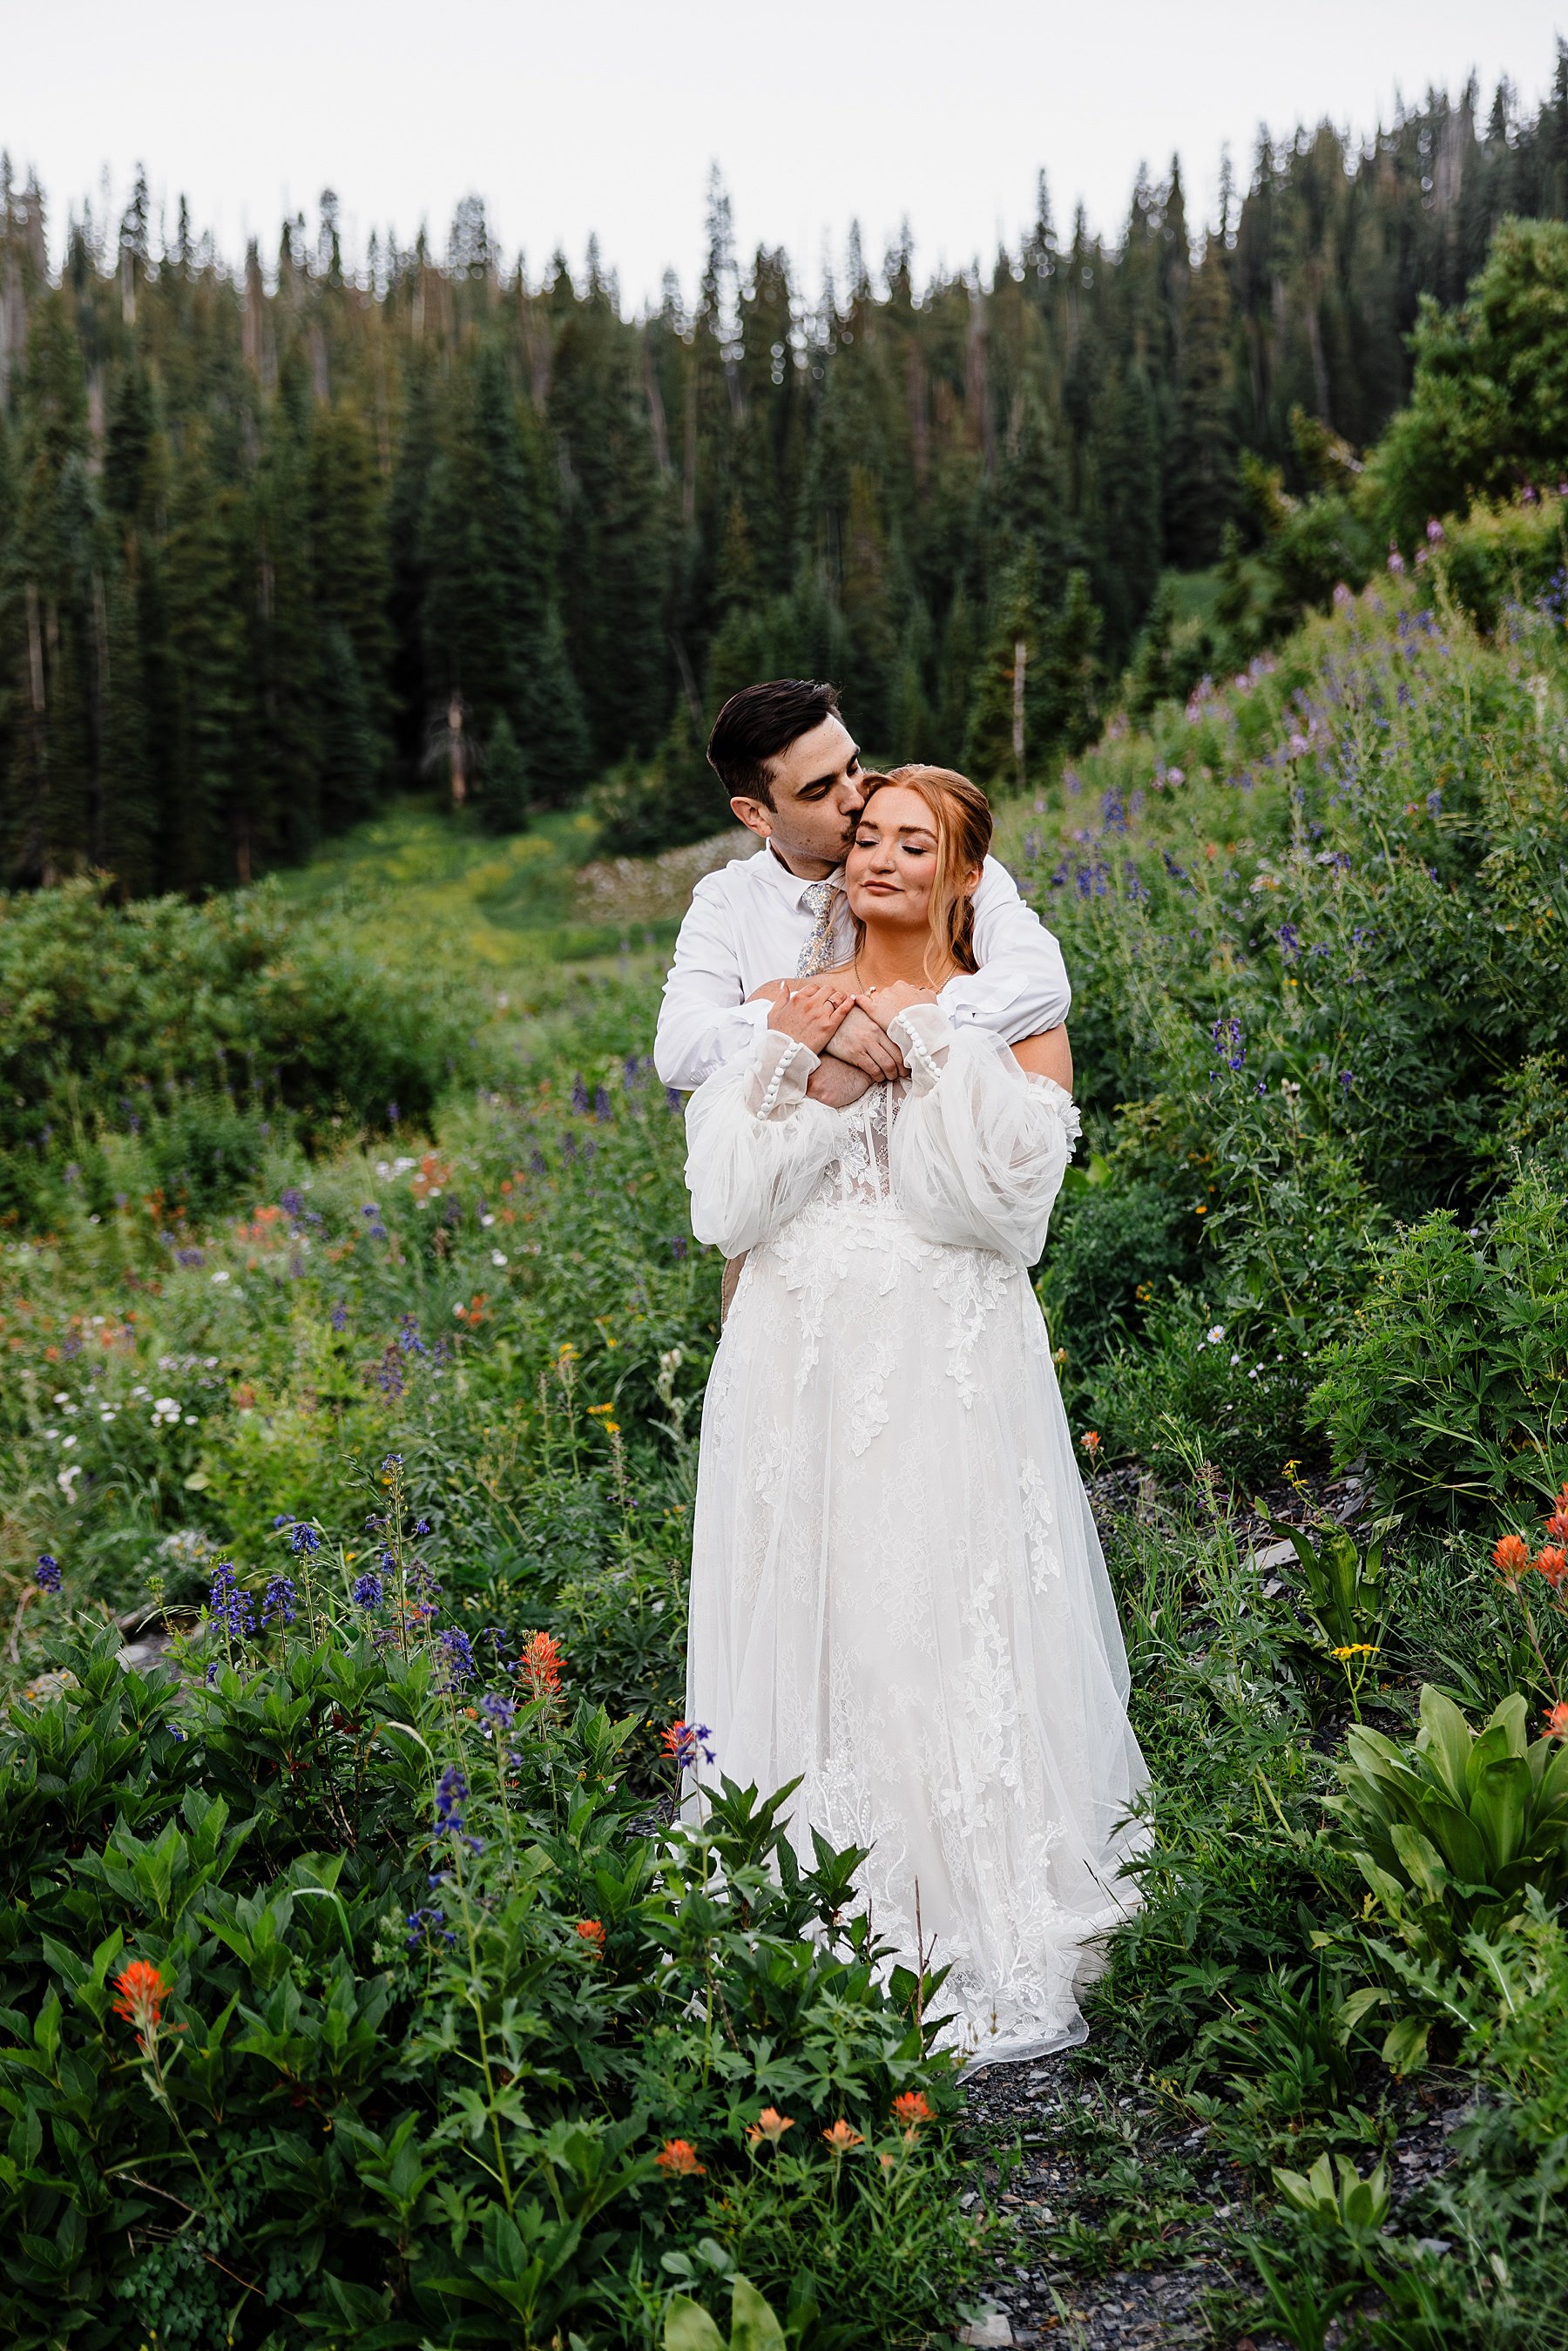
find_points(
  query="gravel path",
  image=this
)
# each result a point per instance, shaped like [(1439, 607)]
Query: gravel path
[(1198, 2208)]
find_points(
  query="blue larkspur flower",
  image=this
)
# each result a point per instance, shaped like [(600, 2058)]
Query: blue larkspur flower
[(48, 1572), (367, 1592), (278, 1601), (304, 1539)]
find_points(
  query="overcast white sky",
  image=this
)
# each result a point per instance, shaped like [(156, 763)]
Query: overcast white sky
[(569, 118)]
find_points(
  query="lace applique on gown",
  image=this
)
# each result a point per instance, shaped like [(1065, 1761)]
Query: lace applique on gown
[(897, 1590)]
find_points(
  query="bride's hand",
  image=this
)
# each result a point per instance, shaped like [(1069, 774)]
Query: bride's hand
[(885, 1004), (807, 1009)]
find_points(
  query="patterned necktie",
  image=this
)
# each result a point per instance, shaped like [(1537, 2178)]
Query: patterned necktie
[(816, 954)]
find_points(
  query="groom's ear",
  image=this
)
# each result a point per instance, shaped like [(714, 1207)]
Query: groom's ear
[(755, 815)]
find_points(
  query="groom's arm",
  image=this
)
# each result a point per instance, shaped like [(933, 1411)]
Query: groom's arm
[(1022, 987), (704, 1021)]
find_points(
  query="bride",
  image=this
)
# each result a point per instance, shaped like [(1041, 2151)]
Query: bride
[(898, 1593)]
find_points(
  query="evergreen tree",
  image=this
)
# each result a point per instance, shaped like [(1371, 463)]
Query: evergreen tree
[(504, 800), (1067, 696), (998, 748)]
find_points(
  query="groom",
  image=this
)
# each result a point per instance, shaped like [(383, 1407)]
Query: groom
[(793, 774)]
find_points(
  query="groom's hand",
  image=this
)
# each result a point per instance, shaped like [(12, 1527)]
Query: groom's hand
[(837, 1083), (809, 1009), (859, 1040), (881, 1005)]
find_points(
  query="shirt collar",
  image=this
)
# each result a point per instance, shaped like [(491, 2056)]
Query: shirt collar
[(783, 880)]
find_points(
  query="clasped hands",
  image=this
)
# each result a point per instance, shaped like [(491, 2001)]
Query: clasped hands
[(846, 1027)]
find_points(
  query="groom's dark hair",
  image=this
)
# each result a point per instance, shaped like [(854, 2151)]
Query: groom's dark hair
[(760, 722)]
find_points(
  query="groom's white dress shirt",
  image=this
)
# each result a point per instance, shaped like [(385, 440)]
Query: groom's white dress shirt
[(748, 923)]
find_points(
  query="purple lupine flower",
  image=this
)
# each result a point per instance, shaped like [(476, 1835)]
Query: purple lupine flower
[(458, 1656), (228, 1604), (367, 1592), (339, 1314), (278, 1601), (304, 1539), (497, 1710), (1228, 1043), (48, 1572), (451, 1809)]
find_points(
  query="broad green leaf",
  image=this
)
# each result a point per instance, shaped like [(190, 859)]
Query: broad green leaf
[(1445, 1738), (1405, 2050), (752, 2325), (688, 2327)]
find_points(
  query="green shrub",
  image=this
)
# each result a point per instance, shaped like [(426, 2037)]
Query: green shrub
[(1502, 555), (283, 2045), (1198, 1389), (1451, 1831), (203, 1026), (1455, 1384)]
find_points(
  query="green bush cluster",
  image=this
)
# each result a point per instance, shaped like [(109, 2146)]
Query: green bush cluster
[(1312, 919), (355, 1995), (195, 1033)]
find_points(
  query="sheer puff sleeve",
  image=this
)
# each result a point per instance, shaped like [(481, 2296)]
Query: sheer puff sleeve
[(980, 1146), (755, 1147)]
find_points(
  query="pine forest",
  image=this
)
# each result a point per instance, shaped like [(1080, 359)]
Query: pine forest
[(276, 542)]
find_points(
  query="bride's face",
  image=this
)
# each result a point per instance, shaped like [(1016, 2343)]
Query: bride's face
[(892, 865)]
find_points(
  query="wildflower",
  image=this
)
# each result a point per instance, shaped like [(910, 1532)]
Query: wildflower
[(1552, 1564), (424, 1922), (1090, 1441), (770, 2124), (1556, 1721), (457, 1656), (497, 1710), (677, 2159), (141, 1992), (591, 1933), (684, 1741), (1214, 1332), (1356, 1649), (451, 1807), (230, 1606), (540, 1665), (368, 1591), (911, 2109), (1228, 1044), (1511, 1557), (48, 1572), (1347, 1080), (304, 1539), (841, 2138), (278, 1601)]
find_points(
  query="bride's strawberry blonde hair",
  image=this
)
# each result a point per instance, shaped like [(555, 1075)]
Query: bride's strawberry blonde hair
[(964, 828)]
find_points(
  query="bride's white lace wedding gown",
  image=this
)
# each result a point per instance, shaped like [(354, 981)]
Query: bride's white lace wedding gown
[(897, 1590)]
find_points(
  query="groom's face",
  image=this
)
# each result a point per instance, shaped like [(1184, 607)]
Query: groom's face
[(818, 793)]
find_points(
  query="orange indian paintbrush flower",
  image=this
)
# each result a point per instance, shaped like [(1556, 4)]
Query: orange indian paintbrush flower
[(540, 1665), (141, 1993), (1512, 1557), (770, 2124), (677, 2159)]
